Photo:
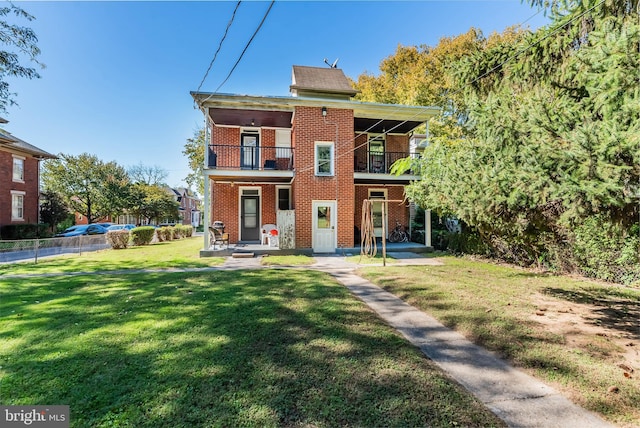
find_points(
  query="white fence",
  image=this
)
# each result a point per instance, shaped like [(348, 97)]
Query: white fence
[(287, 229), (33, 249)]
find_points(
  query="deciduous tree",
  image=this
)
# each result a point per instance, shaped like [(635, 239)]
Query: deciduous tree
[(146, 174), (89, 186), (153, 203), (194, 151), (19, 46)]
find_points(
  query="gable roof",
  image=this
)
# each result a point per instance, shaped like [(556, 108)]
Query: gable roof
[(320, 81), (9, 141)]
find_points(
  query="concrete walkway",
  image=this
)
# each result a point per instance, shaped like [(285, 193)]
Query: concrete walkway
[(515, 397)]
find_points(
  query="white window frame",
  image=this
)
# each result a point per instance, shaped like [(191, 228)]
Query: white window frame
[(241, 192), (385, 193), (15, 214), (278, 188), (18, 160), (318, 145), (257, 132)]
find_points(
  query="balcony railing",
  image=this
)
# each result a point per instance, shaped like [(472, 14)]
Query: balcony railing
[(258, 158), (268, 158), (377, 162)]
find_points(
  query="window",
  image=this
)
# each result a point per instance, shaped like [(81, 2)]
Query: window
[(324, 158), (17, 205), (377, 161), (283, 194), (18, 168)]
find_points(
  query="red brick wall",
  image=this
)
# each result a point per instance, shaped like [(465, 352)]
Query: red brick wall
[(30, 187), (228, 137), (360, 153), (310, 126), (397, 211), (225, 206), (397, 143)]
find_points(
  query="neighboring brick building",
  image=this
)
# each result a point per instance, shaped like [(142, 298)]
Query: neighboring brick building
[(316, 152), (19, 180), (189, 209)]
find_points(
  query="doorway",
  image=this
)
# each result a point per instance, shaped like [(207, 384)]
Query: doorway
[(250, 214), (250, 150), (376, 211), (324, 226)]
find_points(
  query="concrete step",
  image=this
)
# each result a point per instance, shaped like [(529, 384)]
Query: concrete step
[(242, 255)]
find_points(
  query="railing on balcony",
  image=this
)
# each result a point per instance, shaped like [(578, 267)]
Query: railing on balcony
[(259, 158), (377, 162)]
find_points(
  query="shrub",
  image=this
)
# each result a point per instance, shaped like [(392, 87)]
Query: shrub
[(164, 233), (142, 235), (469, 241), (118, 239), (183, 231), (24, 231), (606, 250)]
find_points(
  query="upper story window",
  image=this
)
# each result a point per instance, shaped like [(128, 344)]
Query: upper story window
[(17, 205), (377, 143), (18, 168), (324, 158)]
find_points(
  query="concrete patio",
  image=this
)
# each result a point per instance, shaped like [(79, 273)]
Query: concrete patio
[(258, 250)]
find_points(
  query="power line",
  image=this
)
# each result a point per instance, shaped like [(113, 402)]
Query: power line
[(224, 36), (247, 46)]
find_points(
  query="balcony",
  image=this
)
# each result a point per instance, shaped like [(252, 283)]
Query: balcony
[(252, 158), (250, 164), (375, 162)]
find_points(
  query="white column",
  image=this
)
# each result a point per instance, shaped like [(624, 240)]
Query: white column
[(427, 228), (207, 211)]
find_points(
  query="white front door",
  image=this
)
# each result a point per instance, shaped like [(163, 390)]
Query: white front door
[(324, 226)]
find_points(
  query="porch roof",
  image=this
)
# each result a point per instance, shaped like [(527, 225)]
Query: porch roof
[(277, 111)]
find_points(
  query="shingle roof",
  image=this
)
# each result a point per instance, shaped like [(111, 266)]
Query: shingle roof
[(320, 80), (8, 140)]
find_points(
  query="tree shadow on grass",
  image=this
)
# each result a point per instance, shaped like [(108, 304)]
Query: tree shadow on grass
[(267, 348)]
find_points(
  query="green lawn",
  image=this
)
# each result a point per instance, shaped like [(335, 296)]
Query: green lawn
[(499, 307), (300, 260), (243, 348), (183, 253)]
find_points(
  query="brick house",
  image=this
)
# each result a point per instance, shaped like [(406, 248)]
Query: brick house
[(189, 206), (19, 179), (317, 154)]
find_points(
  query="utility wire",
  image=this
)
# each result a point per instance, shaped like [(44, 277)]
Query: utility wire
[(224, 36), (247, 46)]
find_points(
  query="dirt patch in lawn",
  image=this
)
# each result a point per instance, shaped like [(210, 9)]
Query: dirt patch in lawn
[(608, 328)]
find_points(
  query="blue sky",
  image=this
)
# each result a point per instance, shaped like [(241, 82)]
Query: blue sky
[(118, 74)]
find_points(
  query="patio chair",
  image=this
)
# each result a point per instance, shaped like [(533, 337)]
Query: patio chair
[(272, 239), (265, 233), (216, 236)]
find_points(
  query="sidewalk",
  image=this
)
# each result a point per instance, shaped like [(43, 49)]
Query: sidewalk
[(515, 397)]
